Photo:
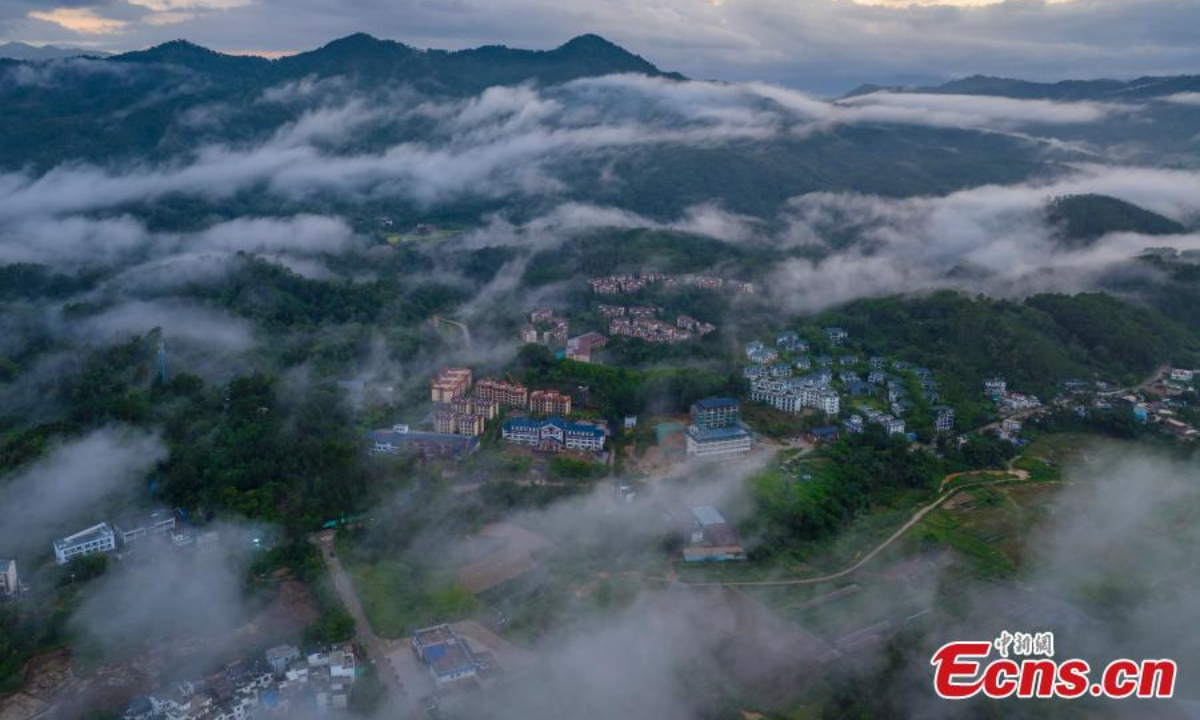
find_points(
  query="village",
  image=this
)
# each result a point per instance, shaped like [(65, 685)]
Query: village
[(820, 387)]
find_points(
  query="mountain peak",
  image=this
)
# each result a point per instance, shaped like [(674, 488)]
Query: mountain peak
[(590, 41), (190, 55)]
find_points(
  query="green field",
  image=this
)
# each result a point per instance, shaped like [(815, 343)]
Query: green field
[(398, 598)]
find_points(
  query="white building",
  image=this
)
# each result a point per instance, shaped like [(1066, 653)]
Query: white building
[(943, 418), (794, 397), (717, 442), (97, 538), (1180, 375), (9, 582)]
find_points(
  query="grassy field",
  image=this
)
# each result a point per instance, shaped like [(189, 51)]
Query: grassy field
[(398, 598)]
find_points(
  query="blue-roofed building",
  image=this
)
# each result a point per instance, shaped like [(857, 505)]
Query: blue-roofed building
[(825, 433), (716, 412), (554, 434), (448, 656)]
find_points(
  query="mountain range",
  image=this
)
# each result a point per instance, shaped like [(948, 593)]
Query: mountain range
[(1100, 90), (594, 141), (24, 51)]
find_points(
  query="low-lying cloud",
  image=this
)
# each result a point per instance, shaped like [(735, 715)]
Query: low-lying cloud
[(63, 491)]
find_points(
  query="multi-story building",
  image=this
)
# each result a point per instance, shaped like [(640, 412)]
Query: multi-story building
[(612, 311), (653, 331), (557, 334), (443, 421), (582, 346), (995, 387), (542, 315), (448, 422), (504, 394), (943, 418), (10, 584), (553, 434), (550, 402), (449, 384), (836, 335), (755, 371), (717, 441), (97, 538), (790, 340), (794, 396), (716, 412)]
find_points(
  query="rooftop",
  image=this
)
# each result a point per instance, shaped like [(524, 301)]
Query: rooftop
[(715, 403), (712, 434), (708, 515), (400, 438), (95, 532)]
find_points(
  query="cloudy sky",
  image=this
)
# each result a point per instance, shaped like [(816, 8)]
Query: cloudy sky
[(815, 44)]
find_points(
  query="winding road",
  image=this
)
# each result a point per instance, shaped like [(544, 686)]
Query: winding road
[(1004, 476)]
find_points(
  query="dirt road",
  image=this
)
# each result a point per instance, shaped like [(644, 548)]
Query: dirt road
[(916, 518), (377, 647)]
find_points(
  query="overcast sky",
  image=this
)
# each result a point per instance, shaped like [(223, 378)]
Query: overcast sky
[(813, 44)]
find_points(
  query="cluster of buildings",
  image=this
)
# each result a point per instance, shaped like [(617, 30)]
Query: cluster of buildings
[(1162, 410), (545, 327), (807, 382), (712, 539), (793, 395), (1008, 402), (456, 411), (282, 683), (122, 534), (865, 415), (631, 283), (555, 434), (716, 429), (641, 322)]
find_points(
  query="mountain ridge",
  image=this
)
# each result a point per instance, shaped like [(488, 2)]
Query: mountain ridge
[(467, 70), (1142, 88), (25, 52)]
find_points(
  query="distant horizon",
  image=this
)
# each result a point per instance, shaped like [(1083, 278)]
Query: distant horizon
[(883, 81), (817, 45)]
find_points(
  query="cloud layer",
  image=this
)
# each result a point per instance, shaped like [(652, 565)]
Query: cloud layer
[(817, 44)]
